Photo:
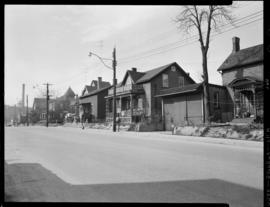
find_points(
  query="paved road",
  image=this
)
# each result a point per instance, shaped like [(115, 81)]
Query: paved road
[(83, 157)]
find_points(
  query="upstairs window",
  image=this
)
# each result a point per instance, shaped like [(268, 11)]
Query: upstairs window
[(216, 100), (140, 103), (165, 80), (181, 81)]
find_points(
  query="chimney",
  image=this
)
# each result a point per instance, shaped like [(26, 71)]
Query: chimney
[(23, 92), (99, 82), (134, 69), (188, 74), (236, 44)]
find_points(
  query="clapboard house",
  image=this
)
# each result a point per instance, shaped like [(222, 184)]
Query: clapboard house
[(242, 75), (136, 95), (92, 101)]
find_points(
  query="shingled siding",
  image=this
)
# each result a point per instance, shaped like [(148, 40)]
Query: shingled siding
[(254, 71)]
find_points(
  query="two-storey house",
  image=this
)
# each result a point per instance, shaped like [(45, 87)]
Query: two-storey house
[(92, 102), (242, 75), (136, 95)]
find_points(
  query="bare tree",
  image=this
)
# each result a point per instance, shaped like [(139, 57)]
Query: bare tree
[(202, 19)]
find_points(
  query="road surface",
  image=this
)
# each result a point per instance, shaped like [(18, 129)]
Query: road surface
[(95, 157)]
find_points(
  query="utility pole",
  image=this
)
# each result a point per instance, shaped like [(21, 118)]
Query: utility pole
[(47, 104), (27, 118), (114, 89), (114, 81)]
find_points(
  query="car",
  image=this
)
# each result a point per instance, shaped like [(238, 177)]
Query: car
[(9, 124)]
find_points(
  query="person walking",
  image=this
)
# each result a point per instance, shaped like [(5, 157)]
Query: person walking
[(82, 121), (118, 121)]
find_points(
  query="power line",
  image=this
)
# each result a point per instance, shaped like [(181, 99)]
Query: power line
[(178, 46), (239, 20)]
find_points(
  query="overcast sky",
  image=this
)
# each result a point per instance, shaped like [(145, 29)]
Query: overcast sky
[(51, 44)]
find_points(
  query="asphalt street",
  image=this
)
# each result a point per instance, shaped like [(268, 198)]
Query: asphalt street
[(101, 157)]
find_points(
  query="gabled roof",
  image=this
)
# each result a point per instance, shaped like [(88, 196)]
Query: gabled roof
[(41, 102), (150, 74), (180, 90), (95, 92), (104, 84), (69, 93), (134, 75), (243, 57), (90, 88)]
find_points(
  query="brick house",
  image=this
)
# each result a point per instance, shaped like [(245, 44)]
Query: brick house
[(136, 95), (242, 75), (92, 102), (184, 105)]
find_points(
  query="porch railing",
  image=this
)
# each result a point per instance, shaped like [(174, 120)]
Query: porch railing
[(121, 89)]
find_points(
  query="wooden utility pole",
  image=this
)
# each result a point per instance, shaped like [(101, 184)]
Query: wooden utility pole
[(47, 104), (114, 89), (27, 116)]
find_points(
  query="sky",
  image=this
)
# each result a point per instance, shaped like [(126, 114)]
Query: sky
[(51, 44)]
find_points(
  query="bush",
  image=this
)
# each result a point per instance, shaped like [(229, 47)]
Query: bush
[(243, 129)]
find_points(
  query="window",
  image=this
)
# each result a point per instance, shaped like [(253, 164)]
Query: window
[(165, 80), (216, 100), (140, 103), (110, 105), (181, 81), (173, 69)]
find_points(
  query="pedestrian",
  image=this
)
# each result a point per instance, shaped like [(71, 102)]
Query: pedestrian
[(118, 121), (82, 121)]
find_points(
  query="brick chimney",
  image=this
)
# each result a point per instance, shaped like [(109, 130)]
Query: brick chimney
[(99, 82), (134, 69), (236, 44)]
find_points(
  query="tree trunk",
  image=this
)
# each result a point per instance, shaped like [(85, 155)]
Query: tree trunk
[(206, 117)]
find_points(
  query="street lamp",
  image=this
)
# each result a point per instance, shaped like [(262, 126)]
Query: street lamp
[(114, 80)]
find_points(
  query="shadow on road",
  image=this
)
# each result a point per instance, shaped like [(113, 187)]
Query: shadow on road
[(32, 182)]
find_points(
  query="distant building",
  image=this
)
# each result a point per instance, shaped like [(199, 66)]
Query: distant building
[(58, 107), (242, 75), (92, 102)]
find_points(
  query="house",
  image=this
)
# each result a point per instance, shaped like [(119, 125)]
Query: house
[(39, 110), (242, 75), (58, 107), (136, 95), (92, 102), (184, 105)]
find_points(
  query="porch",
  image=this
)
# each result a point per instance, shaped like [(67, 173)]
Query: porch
[(248, 98), (129, 108)]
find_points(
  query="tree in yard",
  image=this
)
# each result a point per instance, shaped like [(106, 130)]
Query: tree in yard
[(203, 19)]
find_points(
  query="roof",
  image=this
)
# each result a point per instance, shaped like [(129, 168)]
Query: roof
[(180, 90), (41, 102), (90, 88), (243, 57), (95, 92), (69, 93), (150, 74), (135, 75)]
